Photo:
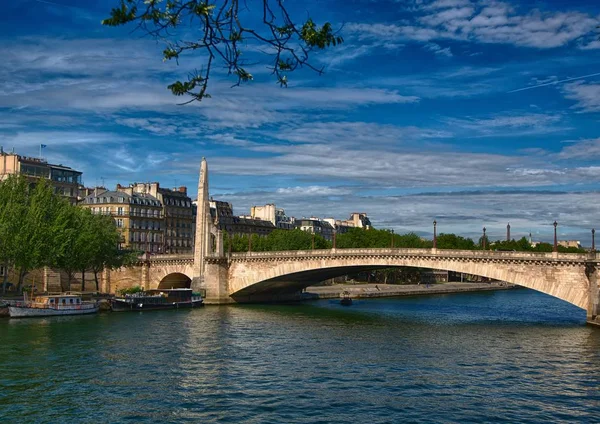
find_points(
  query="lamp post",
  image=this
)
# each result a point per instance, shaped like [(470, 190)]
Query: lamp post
[(483, 239), (434, 234), (392, 238), (250, 242), (593, 239), (555, 247), (334, 232), (313, 241)]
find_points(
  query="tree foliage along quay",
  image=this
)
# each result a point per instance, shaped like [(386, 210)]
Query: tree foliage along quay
[(38, 228), (226, 33), (297, 239), (277, 240)]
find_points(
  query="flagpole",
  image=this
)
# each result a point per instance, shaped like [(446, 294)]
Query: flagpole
[(40, 151)]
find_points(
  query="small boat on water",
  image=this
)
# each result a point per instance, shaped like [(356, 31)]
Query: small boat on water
[(157, 299), (52, 305), (346, 299)]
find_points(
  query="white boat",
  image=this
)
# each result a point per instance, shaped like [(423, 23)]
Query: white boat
[(52, 305)]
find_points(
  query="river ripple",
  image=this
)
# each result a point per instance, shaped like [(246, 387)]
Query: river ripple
[(511, 356)]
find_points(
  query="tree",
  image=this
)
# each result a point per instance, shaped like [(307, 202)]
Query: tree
[(227, 30), (452, 241), (13, 204), (65, 236), (105, 247), (33, 242)]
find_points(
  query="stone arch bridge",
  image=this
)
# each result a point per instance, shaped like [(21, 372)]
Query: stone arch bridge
[(262, 276)]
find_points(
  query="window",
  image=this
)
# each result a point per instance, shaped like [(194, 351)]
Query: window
[(2, 270), (119, 223), (71, 301)]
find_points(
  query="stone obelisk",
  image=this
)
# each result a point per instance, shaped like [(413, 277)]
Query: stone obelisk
[(203, 222)]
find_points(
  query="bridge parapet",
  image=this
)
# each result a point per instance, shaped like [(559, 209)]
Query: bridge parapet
[(434, 253), (153, 258)]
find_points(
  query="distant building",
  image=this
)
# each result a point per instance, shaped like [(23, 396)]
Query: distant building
[(358, 220), (66, 181), (178, 212), (570, 243), (316, 226), (225, 220), (275, 215), (138, 217)]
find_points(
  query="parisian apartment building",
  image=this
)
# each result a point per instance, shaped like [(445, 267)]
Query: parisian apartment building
[(150, 218), (139, 217), (66, 181)]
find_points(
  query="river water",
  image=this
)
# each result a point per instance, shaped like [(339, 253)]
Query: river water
[(509, 356)]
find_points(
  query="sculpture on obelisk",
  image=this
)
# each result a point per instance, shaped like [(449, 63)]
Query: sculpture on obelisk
[(202, 246)]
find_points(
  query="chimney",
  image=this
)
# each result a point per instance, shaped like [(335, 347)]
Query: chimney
[(183, 189)]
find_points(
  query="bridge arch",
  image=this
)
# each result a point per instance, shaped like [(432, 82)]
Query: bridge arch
[(175, 280), (255, 274)]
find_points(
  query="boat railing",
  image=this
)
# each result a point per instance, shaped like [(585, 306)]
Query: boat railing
[(34, 305)]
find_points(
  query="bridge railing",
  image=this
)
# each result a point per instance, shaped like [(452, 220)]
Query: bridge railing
[(481, 254), (170, 257)]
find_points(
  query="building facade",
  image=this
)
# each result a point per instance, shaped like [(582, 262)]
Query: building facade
[(316, 226), (138, 217), (225, 220), (178, 211), (273, 214), (66, 181)]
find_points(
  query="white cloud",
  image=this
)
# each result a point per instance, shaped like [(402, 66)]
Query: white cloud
[(313, 191), (586, 96), (439, 50), (512, 125), (592, 45), (583, 149), (484, 22)]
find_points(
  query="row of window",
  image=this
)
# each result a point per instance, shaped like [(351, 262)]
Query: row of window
[(174, 233), (177, 202), (120, 211), (63, 176), (146, 237), (179, 243), (121, 199), (145, 225), (178, 224)]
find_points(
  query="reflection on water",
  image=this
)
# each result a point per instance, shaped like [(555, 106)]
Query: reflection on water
[(513, 356)]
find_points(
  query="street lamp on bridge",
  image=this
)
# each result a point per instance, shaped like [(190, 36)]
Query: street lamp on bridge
[(434, 234), (392, 238), (555, 247), (483, 239), (593, 239)]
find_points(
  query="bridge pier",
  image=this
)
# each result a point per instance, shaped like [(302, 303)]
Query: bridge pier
[(215, 281), (592, 271)]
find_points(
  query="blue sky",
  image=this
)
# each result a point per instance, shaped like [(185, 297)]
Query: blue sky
[(474, 113)]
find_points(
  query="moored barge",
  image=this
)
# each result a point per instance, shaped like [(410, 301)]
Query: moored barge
[(157, 299), (52, 305)]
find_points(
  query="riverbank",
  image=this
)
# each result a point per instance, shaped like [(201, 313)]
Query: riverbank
[(392, 290)]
